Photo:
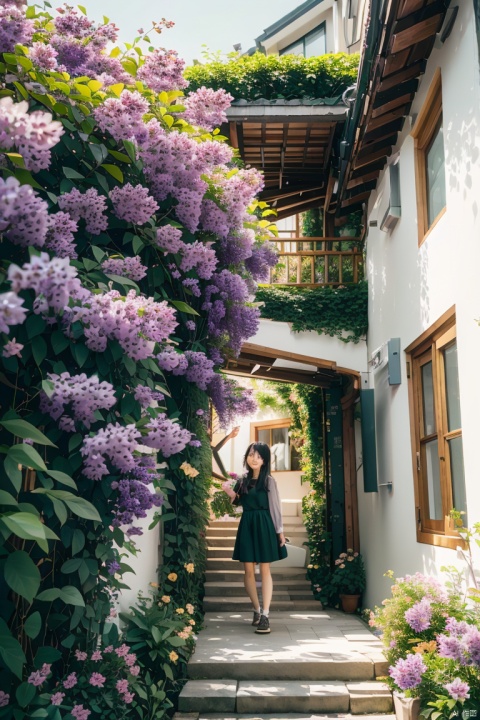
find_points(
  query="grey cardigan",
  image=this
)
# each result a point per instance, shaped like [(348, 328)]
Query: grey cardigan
[(275, 504)]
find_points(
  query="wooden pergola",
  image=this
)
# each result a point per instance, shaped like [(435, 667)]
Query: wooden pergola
[(292, 143)]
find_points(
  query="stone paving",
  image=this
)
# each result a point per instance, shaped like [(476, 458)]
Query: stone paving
[(312, 662)]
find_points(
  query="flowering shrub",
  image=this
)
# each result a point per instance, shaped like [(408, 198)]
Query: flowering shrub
[(432, 644), (348, 577), (116, 222)]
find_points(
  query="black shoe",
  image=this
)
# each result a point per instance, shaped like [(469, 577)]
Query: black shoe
[(256, 617), (263, 625)]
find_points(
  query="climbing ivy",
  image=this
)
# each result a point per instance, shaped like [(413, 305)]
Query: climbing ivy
[(339, 312), (277, 77)]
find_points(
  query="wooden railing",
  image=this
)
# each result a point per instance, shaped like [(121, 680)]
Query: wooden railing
[(318, 261)]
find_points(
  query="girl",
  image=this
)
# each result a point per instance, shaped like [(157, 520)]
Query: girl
[(260, 537)]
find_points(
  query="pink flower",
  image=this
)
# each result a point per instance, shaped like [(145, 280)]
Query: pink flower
[(71, 681), (57, 698), (130, 659), (134, 670), (97, 679), (79, 712), (122, 651), (4, 699), (36, 678), (80, 655), (97, 655), (128, 697), (108, 649), (12, 348), (122, 686)]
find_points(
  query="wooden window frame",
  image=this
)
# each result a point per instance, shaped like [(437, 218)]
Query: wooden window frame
[(429, 346), (264, 424), (422, 133)]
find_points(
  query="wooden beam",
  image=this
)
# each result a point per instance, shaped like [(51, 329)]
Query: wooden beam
[(290, 189), (416, 33), (355, 182), (381, 120), (233, 134), (413, 71), (382, 153), (328, 197)]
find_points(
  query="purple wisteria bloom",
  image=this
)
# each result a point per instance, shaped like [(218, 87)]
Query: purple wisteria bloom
[(458, 689), (419, 615), (407, 672)]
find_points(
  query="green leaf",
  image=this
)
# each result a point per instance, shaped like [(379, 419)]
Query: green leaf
[(83, 508), (33, 625), (183, 307), (25, 694), (71, 566), (62, 478), (114, 171), (175, 641), (24, 429), (27, 456), (60, 510), (59, 341), (13, 473), (82, 9), (7, 499), (72, 174), (39, 349), (80, 353), (78, 541), (11, 653), (83, 90), (94, 85), (130, 148), (22, 575), (117, 89), (26, 178), (71, 596), (120, 156)]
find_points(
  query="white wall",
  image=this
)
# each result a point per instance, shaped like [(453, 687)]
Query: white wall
[(145, 563), (410, 288)]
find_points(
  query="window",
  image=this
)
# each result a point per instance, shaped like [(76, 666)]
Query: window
[(276, 434), (437, 429), (310, 45), (430, 160)]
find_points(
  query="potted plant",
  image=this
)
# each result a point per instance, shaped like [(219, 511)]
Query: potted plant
[(349, 579)]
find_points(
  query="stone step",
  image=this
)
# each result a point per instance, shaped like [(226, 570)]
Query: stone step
[(276, 716), (289, 521), (243, 604), (229, 540), (224, 589), (292, 574), (270, 696)]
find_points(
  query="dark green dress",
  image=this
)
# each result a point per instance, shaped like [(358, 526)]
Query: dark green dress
[(256, 539)]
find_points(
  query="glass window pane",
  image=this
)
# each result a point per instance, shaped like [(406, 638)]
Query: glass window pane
[(458, 476), (428, 401), (280, 449), (435, 510), (296, 48), (453, 391), (315, 43), (435, 171), (264, 436)]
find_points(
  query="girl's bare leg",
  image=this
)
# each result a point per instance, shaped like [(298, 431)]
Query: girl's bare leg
[(267, 586), (250, 586)]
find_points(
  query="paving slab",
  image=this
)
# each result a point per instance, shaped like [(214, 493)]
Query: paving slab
[(368, 697), (288, 716), (198, 696), (290, 696)]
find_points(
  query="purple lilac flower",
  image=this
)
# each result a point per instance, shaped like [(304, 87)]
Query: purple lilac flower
[(71, 22), (190, 325), (207, 108), (4, 699), (456, 627), (79, 712), (168, 238), (162, 70), (113, 567), (130, 267), (81, 655), (214, 219), (12, 348), (116, 443), (36, 678), (189, 207), (60, 237), (123, 117), (263, 258), (23, 215), (170, 360), (14, 27), (200, 256), (166, 436), (57, 698), (44, 56), (230, 400), (471, 640), (145, 396), (85, 395), (133, 203), (135, 321), (88, 206), (135, 497), (407, 672), (458, 690), (53, 281), (450, 647), (419, 616), (200, 369)]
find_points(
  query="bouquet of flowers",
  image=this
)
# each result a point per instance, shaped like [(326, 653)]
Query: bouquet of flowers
[(348, 578)]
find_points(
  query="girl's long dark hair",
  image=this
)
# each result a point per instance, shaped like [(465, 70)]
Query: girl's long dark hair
[(262, 482)]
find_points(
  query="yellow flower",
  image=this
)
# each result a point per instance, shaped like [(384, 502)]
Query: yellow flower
[(190, 567), (165, 598), (172, 577), (173, 656), (315, 567), (180, 611), (189, 608), (309, 567), (189, 470), (191, 621), (154, 584)]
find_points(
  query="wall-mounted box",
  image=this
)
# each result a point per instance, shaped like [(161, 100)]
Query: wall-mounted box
[(394, 365)]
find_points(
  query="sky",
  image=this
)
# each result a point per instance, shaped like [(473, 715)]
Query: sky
[(218, 24)]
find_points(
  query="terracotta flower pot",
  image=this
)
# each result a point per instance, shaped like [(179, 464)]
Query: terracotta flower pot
[(349, 603), (406, 708)]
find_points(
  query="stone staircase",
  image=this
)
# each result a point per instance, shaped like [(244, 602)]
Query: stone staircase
[(315, 665), (224, 577)]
